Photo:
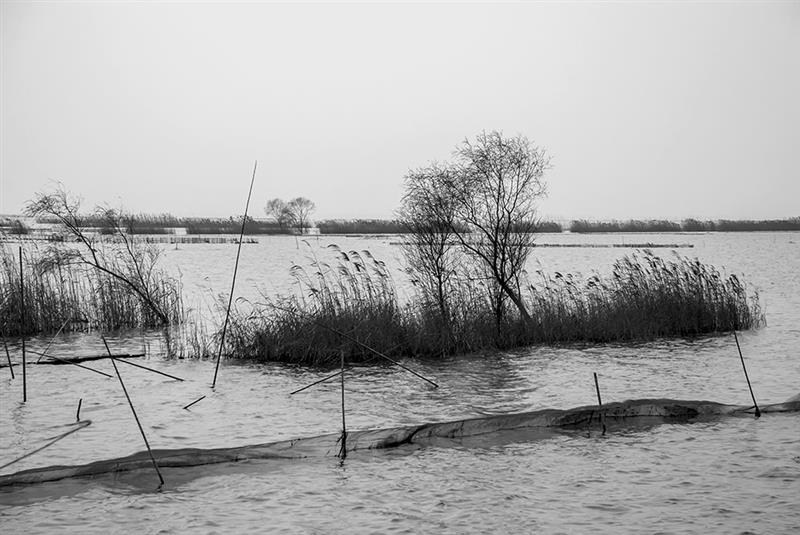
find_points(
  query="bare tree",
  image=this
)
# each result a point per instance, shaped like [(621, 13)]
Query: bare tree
[(133, 265), (428, 216), (302, 208), (280, 211), (293, 214), (486, 199), (494, 188)]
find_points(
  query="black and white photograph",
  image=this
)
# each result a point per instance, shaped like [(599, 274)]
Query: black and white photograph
[(448, 267)]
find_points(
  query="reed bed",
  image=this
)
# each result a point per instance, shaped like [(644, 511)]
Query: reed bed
[(645, 297), (354, 295), (62, 294)]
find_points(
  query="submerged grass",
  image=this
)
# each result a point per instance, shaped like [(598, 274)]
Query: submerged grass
[(645, 297)]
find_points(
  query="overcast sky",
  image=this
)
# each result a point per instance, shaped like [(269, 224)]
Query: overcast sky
[(648, 110)]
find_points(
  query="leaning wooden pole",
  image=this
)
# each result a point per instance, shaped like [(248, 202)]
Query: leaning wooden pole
[(22, 327), (233, 282), (8, 358), (135, 417), (599, 403), (758, 412), (343, 450)]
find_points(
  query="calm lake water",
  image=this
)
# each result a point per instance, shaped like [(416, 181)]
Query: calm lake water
[(736, 475)]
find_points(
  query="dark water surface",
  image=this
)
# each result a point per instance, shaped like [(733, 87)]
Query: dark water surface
[(734, 475)]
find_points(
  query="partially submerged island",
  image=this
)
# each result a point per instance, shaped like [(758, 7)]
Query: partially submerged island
[(470, 229)]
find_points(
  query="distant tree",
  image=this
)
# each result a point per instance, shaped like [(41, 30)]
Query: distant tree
[(279, 210), (494, 188), (18, 227), (302, 208), (293, 214)]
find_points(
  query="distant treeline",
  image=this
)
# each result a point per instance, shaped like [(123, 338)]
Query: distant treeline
[(687, 225), (165, 223), (390, 226), (360, 226)]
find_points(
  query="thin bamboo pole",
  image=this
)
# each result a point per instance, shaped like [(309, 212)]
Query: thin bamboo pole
[(343, 450), (599, 403), (233, 282), (135, 417), (315, 383), (146, 368), (758, 412), (195, 401), (8, 357), (22, 328)]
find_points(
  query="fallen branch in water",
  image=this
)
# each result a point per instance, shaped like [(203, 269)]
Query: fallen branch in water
[(72, 360)]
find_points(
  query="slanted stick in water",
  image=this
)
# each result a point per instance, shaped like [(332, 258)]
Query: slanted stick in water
[(233, 282), (758, 412)]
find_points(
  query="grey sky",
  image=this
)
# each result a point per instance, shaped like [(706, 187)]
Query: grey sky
[(647, 109)]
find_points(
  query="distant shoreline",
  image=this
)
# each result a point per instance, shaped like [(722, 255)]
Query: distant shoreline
[(11, 225)]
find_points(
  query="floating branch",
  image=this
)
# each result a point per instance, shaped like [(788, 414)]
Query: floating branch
[(73, 360), (64, 361)]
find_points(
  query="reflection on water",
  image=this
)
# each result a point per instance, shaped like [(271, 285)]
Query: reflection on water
[(737, 475)]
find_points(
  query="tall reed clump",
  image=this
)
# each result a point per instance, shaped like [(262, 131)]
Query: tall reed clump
[(64, 294), (354, 295), (86, 280), (645, 297)]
